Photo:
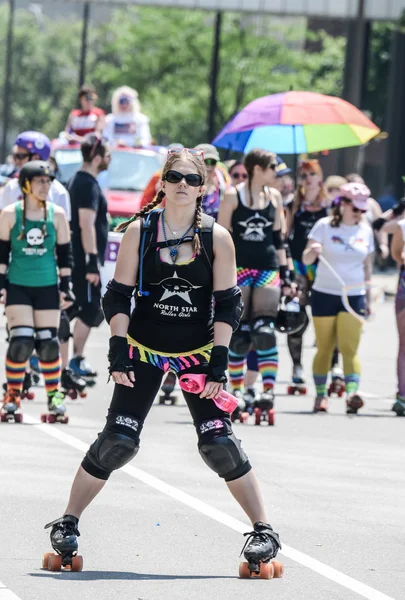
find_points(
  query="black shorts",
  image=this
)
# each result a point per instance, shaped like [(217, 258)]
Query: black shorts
[(40, 298), (88, 300), (329, 305)]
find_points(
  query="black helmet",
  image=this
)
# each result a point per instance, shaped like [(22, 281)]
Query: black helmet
[(291, 316), (32, 169)]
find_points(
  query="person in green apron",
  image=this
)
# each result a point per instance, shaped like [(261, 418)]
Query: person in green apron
[(35, 283)]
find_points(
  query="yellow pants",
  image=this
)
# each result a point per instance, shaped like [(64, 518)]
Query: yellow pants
[(343, 331)]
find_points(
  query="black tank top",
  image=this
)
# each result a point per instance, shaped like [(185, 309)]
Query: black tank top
[(252, 232), (304, 220), (177, 315)]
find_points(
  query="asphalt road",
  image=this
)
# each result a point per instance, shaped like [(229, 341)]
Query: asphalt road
[(167, 528)]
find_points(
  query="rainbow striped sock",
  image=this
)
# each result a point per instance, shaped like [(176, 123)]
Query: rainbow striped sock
[(236, 367), (51, 372), (352, 383), (15, 373), (267, 361), (320, 384)]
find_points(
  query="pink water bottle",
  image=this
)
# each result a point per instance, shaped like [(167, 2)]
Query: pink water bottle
[(195, 383)]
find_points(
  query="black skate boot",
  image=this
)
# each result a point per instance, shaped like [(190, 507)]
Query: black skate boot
[(241, 412), (64, 536), (399, 406), (73, 384), (27, 385), (261, 546), (264, 410), (83, 369), (167, 388)]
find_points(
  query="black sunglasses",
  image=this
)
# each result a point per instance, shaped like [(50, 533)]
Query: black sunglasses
[(273, 166), (210, 162), (354, 208), (239, 175), (20, 156), (192, 179)]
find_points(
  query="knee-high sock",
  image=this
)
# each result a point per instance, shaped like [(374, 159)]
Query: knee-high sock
[(51, 370), (236, 367), (348, 333), (267, 361), (15, 373), (325, 331)]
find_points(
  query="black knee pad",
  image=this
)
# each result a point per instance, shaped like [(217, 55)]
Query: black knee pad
[(263, 333), (220, 449), (91, 315), (47, 344), (21, 345), (241, 339), (114, 447), (64, 328)]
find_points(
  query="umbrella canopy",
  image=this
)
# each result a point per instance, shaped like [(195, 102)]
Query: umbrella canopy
[(296, 123)]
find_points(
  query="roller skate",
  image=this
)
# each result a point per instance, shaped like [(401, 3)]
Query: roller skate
[(298, 382), (399, 406), (82, 369), (64, 536), (321, 404), (261, 546), (353, 403), (167, 389), (72, 384), (244, 408), (27, 385), (263, 408), (56, 409), (10, 409), (337, 386), (35, 370)]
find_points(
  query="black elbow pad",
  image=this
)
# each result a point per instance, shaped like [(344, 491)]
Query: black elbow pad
[(228, 307), (117, 300), (278, 240), (64, 256)]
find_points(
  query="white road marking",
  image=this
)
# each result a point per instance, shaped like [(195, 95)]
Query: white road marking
[(303, 559), (6, 594)]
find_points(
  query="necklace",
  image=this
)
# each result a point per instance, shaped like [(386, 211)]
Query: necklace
[(173, 250)]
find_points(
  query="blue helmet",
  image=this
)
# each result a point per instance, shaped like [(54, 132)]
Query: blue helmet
[(35, 143), (281, 168)]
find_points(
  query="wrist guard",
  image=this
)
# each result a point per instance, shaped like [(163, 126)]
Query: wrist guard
[(379, 223), (92, 264), (64, 256), (285, 276), (118, 355), (65, 286), (218, 364)]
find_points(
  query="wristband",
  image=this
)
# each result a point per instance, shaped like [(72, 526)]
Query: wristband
[(379, 223), (285, 276), (66, 287), (218, 364), (118, 355), (92, 264)]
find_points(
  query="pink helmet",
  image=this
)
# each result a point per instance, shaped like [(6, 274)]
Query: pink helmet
[(358, 193)]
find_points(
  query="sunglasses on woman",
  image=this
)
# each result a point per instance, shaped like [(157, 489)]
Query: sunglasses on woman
[(210, 162), (192, 151), (239, 176), (192, 179), (20, 155), (354, 208)]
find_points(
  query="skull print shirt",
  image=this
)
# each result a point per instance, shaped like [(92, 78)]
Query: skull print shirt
[(252, 232), (176, 316), (33, 259)]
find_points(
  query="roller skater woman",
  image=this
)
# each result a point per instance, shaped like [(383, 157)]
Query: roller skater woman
[(346, 242), (307, 207), (252, 211), (171, 328), (35, 235)]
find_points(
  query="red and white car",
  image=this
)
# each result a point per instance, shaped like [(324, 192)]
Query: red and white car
[(127, 176)]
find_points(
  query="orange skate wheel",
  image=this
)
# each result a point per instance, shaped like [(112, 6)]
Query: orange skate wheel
[(303, 391), (72, 394), (50, 418), (278, 569), (54, 562), (77, 563), (245, 572), (290, 390), (30, 395), (266, 570), (45, 559), (83, 394)]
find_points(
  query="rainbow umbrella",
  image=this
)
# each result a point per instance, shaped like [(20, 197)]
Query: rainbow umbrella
[(296, 123)]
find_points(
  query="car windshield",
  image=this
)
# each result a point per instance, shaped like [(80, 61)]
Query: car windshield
[(127, 171)]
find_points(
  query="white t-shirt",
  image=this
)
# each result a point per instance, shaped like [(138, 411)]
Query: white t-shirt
[(131, 129), (58, 194), (345, 248)]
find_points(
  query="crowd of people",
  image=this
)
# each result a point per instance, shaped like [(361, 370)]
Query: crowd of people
[(222, 256)]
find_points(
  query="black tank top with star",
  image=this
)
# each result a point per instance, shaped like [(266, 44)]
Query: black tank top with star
[(252, 232), (304, 220), (177, 315)]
